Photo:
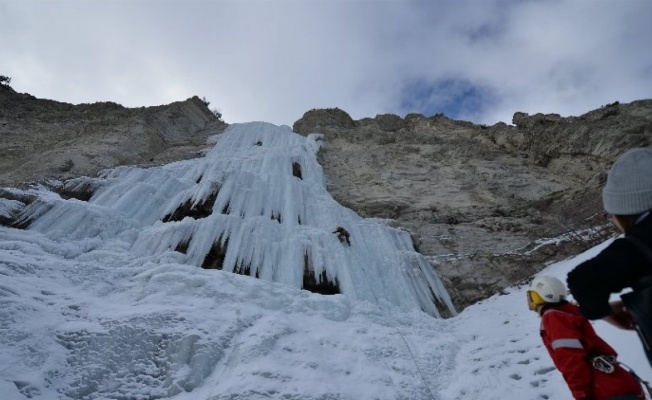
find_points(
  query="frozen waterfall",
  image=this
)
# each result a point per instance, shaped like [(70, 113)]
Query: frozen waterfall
[(256, 204)]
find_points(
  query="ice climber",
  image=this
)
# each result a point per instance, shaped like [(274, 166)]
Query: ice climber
[(626, 262), (343, 235), (587, 363)]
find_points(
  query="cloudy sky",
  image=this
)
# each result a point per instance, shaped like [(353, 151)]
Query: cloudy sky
[(273, 60)]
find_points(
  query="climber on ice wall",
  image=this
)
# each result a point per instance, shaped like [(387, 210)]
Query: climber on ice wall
[(343, 235)]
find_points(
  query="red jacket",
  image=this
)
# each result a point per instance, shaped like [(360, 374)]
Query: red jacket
[(570, 339)]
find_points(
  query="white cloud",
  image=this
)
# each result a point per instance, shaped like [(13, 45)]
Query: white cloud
[(274, 60)]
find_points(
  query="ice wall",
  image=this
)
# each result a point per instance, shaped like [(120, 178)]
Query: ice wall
[(257, 204)]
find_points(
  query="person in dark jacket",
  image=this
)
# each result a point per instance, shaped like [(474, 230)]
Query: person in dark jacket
[(627, 198), (587, 363), (343, 235)]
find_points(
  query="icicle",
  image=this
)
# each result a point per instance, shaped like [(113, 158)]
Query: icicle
[(256, 203)]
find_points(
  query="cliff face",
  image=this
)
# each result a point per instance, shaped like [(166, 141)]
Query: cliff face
[(482, 200), (41, 139)]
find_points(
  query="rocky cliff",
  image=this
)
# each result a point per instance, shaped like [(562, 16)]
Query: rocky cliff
[(41, 139), (490, 204)]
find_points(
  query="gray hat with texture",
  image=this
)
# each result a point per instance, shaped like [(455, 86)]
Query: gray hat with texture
[(629, 184)]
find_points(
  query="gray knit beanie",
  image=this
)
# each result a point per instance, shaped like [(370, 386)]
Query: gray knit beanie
[(629, 184)]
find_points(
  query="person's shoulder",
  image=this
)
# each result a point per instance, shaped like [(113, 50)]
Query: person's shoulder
[(556, 308), (553, 316), (564, 312), (620, 244), (614, 251)]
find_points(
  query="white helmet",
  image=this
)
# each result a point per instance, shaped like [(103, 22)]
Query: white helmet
[(551, 290)]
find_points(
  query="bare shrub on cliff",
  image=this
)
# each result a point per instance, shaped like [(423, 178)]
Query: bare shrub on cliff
[(217, 113), (4, 84)]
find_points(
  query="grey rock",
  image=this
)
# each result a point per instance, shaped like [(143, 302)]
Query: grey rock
[(481, 201), (319, 119), (42, 139), (489, 205)]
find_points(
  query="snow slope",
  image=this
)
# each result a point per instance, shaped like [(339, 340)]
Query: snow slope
[(96, 304), (505, 358)]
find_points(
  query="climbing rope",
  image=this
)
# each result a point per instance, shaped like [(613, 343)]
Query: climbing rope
[(414, 360), (423, 378), (644, 383)]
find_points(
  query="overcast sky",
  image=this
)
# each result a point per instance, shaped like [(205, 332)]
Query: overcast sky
[(273, 60)]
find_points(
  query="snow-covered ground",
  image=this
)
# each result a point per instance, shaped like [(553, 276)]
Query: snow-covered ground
[(505, 358), (95, 304)]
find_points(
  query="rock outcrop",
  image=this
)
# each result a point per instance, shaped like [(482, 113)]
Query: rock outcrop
[(491, 205), (41, 139), (330, 118)]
